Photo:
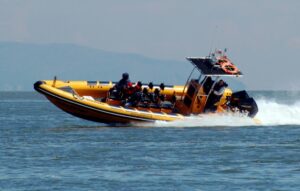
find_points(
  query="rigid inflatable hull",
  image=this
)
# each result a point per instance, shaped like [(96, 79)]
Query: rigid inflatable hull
[(88, 113), (79, 108)]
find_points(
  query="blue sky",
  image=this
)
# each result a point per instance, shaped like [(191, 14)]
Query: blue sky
[(262, 36)]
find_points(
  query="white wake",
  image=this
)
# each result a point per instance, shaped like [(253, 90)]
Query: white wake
[(273, 113), (270, 113)]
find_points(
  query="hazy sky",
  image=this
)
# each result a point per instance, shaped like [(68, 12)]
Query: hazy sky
[(263, 36)]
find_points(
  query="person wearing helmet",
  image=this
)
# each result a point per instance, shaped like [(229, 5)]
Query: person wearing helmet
[(122, 86), (215, 96), (123, 83), (118, 91)]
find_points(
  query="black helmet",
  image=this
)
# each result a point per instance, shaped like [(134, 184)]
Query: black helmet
[(139, 83), (162, 86), (125, 76), (150, 85)]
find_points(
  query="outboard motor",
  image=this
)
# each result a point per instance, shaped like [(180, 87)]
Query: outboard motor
[(244, 103)]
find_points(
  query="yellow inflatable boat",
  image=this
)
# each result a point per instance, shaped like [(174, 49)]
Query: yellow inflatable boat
[(93, 100)]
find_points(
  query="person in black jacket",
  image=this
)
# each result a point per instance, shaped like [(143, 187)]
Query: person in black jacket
[(215, 96), (124, 82), (119, 91)]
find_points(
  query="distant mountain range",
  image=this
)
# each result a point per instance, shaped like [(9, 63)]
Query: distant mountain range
[(21, 64)]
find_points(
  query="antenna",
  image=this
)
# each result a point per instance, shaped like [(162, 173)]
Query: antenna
[(225, 52), (212, 41)]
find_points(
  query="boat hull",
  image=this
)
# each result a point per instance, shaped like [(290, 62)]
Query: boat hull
[(87, 113), (98, 112)]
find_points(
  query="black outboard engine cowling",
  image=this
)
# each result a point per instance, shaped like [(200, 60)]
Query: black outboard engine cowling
[(244, 103)]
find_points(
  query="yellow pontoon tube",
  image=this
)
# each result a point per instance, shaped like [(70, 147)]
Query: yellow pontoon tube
[(84, 99)]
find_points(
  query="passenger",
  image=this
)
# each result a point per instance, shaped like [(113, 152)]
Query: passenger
[(124, 85), (162, 86), (129, 91), (156, 96), (138, 91), (138, 87), (145, 92), (114, 93), (215, 96), (219, 88), (136, 94), (145, 98), (150, 85), (155, 99), (162, 96), (148, 94)]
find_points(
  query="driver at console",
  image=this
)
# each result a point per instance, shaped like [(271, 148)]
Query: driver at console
[(215, 96)]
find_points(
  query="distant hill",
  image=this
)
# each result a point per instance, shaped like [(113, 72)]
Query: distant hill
[(21, 64)]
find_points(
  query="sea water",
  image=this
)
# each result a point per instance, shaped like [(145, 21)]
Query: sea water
[(43, 148)]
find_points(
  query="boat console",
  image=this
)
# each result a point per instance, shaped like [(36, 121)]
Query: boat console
[(199, 96)]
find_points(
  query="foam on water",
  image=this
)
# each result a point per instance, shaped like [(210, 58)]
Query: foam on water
[(274, 113), (271, 113)]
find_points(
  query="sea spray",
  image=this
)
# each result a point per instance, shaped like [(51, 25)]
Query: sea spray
[(271, 113), (274, 113)]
